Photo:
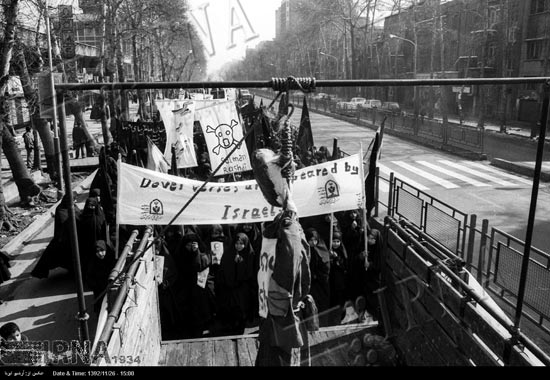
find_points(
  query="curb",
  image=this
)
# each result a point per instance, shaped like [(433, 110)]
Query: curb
[(520, 168)]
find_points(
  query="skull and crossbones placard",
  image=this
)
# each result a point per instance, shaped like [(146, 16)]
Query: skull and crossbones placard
[(223, 133)]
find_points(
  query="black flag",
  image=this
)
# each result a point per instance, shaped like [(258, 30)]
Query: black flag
[(305, 135), (370, 180)]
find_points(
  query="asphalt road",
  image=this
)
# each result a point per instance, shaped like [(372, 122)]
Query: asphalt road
[(473, 187)]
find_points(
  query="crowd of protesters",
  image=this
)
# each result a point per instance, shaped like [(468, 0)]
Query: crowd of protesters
[(210, 284)]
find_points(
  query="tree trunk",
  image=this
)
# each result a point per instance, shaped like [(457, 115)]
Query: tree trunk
[(10, 15), (5, 221), (25, 184), (40, 126), (443, 101)]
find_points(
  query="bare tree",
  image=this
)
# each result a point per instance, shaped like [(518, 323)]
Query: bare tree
[(10, 13)]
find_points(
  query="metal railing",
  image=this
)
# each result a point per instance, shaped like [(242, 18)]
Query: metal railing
[(494, 257), (449, 136)]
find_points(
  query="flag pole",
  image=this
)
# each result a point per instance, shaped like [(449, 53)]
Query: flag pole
[(117, 225), (364, 200)]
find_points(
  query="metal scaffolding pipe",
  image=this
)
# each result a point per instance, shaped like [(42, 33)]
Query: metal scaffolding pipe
[(280, 84), (122, 259), (121, 296), (497, 314)]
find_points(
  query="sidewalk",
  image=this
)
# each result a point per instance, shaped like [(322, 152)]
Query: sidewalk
[(44, 309)]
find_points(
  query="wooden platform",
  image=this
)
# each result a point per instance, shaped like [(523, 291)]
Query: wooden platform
[(328, 347)]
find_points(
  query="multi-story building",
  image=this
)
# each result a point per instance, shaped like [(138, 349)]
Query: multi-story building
[(285, 17), (535, 54), (459, 38)]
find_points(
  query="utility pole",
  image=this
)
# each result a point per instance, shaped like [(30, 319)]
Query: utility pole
[(57, 151)]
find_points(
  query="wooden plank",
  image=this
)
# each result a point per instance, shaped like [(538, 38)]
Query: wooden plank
[(252, 346), (162, 356), (243, 354), (397, 244), (445, 292), (395, 263), (195, 353), (455, 341), (419, 266), (413, 326), (487, 333), (175, 355), (455, 330), (224, 353), (207, 359)]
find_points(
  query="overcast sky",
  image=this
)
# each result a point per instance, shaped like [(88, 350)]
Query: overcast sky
[(256, 17)]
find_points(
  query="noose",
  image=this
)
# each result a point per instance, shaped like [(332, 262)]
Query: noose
[(287, 157)]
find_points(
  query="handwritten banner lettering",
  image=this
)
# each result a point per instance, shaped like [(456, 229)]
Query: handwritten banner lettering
[(151, 198)]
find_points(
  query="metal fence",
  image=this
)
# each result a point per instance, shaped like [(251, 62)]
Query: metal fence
[(454, 137), (494, 257), (440, 220)]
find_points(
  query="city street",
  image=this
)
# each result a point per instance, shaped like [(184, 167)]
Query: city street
[(474, 187)]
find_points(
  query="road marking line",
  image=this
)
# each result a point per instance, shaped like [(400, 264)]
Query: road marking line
[(454, 174), (440, 181), (384, 169), (497, 171), (477, 173)]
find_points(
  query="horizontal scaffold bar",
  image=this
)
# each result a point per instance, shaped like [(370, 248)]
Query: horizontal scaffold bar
[(292, 83)]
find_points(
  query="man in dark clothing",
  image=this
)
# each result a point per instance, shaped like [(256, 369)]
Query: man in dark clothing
[(28, 139), (288, 288)]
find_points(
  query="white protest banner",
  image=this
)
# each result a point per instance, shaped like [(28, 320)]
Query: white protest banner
[(146, 197), (155, 158), (267, 263), (184, 148), (179, 130), (223, 131)]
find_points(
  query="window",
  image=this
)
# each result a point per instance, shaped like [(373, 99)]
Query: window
[(494, 15), (538, 6), (534, 49), (492, 51)]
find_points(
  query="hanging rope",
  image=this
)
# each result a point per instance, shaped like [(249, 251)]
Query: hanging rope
[(306, 85)]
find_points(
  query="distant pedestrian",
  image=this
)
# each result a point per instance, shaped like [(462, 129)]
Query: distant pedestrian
[(28, 139), (79, 140)]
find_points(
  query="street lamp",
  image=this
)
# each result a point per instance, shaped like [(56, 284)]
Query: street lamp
[(414, 66), (337, 61)]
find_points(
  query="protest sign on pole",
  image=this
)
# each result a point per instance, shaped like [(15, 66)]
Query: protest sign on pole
[(222, 129)]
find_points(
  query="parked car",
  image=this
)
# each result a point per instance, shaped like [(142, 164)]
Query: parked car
[(372, 103), (321, 96), (391, 106), (353, 104), (244, 96), (357, 102)]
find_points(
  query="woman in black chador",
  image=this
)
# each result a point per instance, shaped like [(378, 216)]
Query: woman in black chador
[(233, 285), (198, 307), (319, 265), (98, 269), (58, 252), (91, 228)]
